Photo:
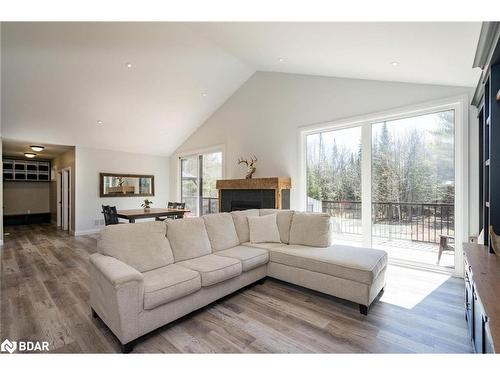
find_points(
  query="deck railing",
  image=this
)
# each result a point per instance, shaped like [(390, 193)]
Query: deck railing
[(209, 205), (395, 220)]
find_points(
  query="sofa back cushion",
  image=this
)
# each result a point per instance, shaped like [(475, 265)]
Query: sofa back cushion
[(221, 231), (188, 238), (264, 229), (142, 246), (240, 219), (284, 220), (311, 229)]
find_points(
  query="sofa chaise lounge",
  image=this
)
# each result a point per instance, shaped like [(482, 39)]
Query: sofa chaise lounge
[(146, 275)]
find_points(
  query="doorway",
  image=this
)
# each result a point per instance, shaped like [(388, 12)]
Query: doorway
[(63, 181)]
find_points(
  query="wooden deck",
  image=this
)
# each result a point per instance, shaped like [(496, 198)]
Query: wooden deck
[(44, 296)]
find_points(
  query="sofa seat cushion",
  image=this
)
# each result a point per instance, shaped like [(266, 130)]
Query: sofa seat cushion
[(221, 231), (213, 269), (169, 283), (250, 257), (352, 263)]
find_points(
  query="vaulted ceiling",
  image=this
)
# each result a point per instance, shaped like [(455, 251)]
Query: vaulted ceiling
[(145, 87)]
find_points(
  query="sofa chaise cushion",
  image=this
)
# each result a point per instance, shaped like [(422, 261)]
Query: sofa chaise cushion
[(142, 246), (284, 220), (241, 223), (352, 263), (169, 283), (213, 269), (310, 229), (250, 257), (188, 238), (221, 231)]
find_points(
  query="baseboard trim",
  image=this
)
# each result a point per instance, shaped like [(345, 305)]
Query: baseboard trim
[(86, 232)]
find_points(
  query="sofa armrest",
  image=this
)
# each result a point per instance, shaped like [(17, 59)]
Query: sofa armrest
[(117, 295), (114, 270)]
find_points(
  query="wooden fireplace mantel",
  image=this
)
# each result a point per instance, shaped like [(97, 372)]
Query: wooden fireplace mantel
[(281, 186), (276, 183)]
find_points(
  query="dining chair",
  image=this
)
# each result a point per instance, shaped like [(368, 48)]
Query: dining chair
[(174, 206), (110, 215)]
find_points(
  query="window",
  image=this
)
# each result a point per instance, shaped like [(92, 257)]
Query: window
[(391, 181)]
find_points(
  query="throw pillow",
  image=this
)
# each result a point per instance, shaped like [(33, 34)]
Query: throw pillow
[(263, 229)]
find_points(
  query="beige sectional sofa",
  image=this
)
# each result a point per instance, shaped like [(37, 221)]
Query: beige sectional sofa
[(146, 275)]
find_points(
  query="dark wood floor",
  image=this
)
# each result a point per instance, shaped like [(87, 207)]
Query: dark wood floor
[(44, 296)]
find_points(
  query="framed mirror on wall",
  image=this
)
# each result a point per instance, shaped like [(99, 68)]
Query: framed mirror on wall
[(126, 185)]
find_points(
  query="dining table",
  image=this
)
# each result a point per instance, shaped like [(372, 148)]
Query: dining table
[(157, 213)]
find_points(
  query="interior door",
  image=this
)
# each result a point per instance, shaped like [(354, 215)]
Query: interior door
[(59, 199), (65, 200)]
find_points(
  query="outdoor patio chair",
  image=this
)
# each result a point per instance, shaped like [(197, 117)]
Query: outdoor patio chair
[(446, 243)]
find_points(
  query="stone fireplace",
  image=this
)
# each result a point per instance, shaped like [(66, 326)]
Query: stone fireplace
[(242, 194)]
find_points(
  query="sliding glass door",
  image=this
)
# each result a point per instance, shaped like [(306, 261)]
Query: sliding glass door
[(198, 175), (413, 188), (190, 183), (334, 180), (388, 184)]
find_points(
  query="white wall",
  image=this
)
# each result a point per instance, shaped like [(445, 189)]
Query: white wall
[(24, 197), (90, 162), (264, 115)]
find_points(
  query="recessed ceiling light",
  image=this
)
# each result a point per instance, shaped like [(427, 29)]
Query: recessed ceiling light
[(37, 148), (394, 63), (204, 94), (29, 154), (281, 60), (129, 65), (99, 122)]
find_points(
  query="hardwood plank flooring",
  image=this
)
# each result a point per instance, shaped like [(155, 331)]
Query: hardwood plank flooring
[(44, 296)]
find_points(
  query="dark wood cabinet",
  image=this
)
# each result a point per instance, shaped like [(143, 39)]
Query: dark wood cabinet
[(479, 318), (482, 311), (468, 302)]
